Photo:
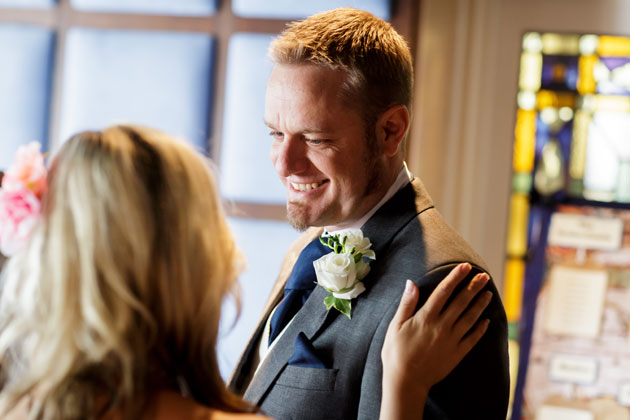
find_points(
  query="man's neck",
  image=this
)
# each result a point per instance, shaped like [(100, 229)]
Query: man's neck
[(402, 178)]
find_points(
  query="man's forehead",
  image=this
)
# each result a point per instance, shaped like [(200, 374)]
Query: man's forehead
[(311, 128), (314, 74)]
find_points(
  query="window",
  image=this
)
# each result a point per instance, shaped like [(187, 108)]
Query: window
[(193, 68)]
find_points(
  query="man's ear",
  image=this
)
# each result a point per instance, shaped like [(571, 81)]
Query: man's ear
[(391, 128)]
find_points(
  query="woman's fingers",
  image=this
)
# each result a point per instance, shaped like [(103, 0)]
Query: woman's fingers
[(460, 315), (472, 338), (407, 304), (472, 314), (459, 304), (443, 291)]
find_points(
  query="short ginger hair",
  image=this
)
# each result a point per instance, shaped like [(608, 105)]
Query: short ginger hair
[(375, 57)]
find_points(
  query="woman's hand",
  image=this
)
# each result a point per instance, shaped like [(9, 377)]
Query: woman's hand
[(422, 349)]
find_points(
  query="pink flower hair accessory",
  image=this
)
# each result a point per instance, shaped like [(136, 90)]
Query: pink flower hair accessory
[(22, 188)]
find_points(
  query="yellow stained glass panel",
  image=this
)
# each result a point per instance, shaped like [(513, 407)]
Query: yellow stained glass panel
[(548, 98), (513, 292), (513, 352), (581, 123), (517, 229), (586, 81), (525, 141), (616, 46), (556, 44)]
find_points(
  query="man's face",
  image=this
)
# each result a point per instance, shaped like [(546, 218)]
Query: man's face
[(319, 149)]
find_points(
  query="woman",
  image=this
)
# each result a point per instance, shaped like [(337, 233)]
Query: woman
[(111, 311)]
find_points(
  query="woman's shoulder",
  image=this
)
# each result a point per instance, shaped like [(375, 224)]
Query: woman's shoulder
[(165, 405), (168, 405)]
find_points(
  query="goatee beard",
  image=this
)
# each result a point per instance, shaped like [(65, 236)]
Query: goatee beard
[(295, 218)]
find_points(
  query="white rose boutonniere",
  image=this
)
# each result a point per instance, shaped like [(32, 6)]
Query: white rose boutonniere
[(341, 271)]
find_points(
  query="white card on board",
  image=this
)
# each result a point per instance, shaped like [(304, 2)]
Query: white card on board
[(585, 232), (576, 301), (573, 369)]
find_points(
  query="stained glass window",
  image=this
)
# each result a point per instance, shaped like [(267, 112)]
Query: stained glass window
[(571, 155), (571, 87)]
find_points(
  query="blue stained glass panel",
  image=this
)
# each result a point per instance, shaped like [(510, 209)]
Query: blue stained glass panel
[(28, 4), (543, 133), (291, 9), (159, 79), (264, 244), (563, 132), (26, 54), (559, 72), (246, 171), (158, 7)]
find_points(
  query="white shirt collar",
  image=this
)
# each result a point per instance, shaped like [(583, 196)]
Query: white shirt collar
[(404, 177)]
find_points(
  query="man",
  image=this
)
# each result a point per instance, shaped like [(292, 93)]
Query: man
[(337, 106)]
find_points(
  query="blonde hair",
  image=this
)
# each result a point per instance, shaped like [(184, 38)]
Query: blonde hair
[(374, 56), (119, 291)]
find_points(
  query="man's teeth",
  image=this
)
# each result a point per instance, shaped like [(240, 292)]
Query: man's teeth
[(305, 187)]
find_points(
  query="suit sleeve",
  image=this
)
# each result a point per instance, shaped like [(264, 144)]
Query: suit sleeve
[(477, 388)]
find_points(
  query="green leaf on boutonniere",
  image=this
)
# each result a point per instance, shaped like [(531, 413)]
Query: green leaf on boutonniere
[(342, 305), (329, 301)]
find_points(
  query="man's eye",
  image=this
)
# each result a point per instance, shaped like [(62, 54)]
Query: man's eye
[(317, 141), (275, 134)]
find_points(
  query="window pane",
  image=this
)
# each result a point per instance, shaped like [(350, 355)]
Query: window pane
[(26, 54), (28, 4), (290, 9), (613, 75), (160, 7), (246, 171), (160, 79), (264, 244), (605, 175)]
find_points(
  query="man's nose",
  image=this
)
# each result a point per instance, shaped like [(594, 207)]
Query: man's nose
[(289, 156)]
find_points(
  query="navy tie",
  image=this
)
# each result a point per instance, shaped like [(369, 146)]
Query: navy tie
[(299, 286)]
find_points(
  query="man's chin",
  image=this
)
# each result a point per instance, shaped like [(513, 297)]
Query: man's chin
[(302, 216), (297, 219), (298, 225)]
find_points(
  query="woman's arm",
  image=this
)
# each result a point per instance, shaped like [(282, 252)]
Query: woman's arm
[(422, 349)]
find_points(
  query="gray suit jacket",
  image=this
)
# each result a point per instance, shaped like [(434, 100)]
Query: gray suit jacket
[(411, 241)]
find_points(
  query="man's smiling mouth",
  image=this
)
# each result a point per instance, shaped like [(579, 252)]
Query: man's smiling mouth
[(306, 187)]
